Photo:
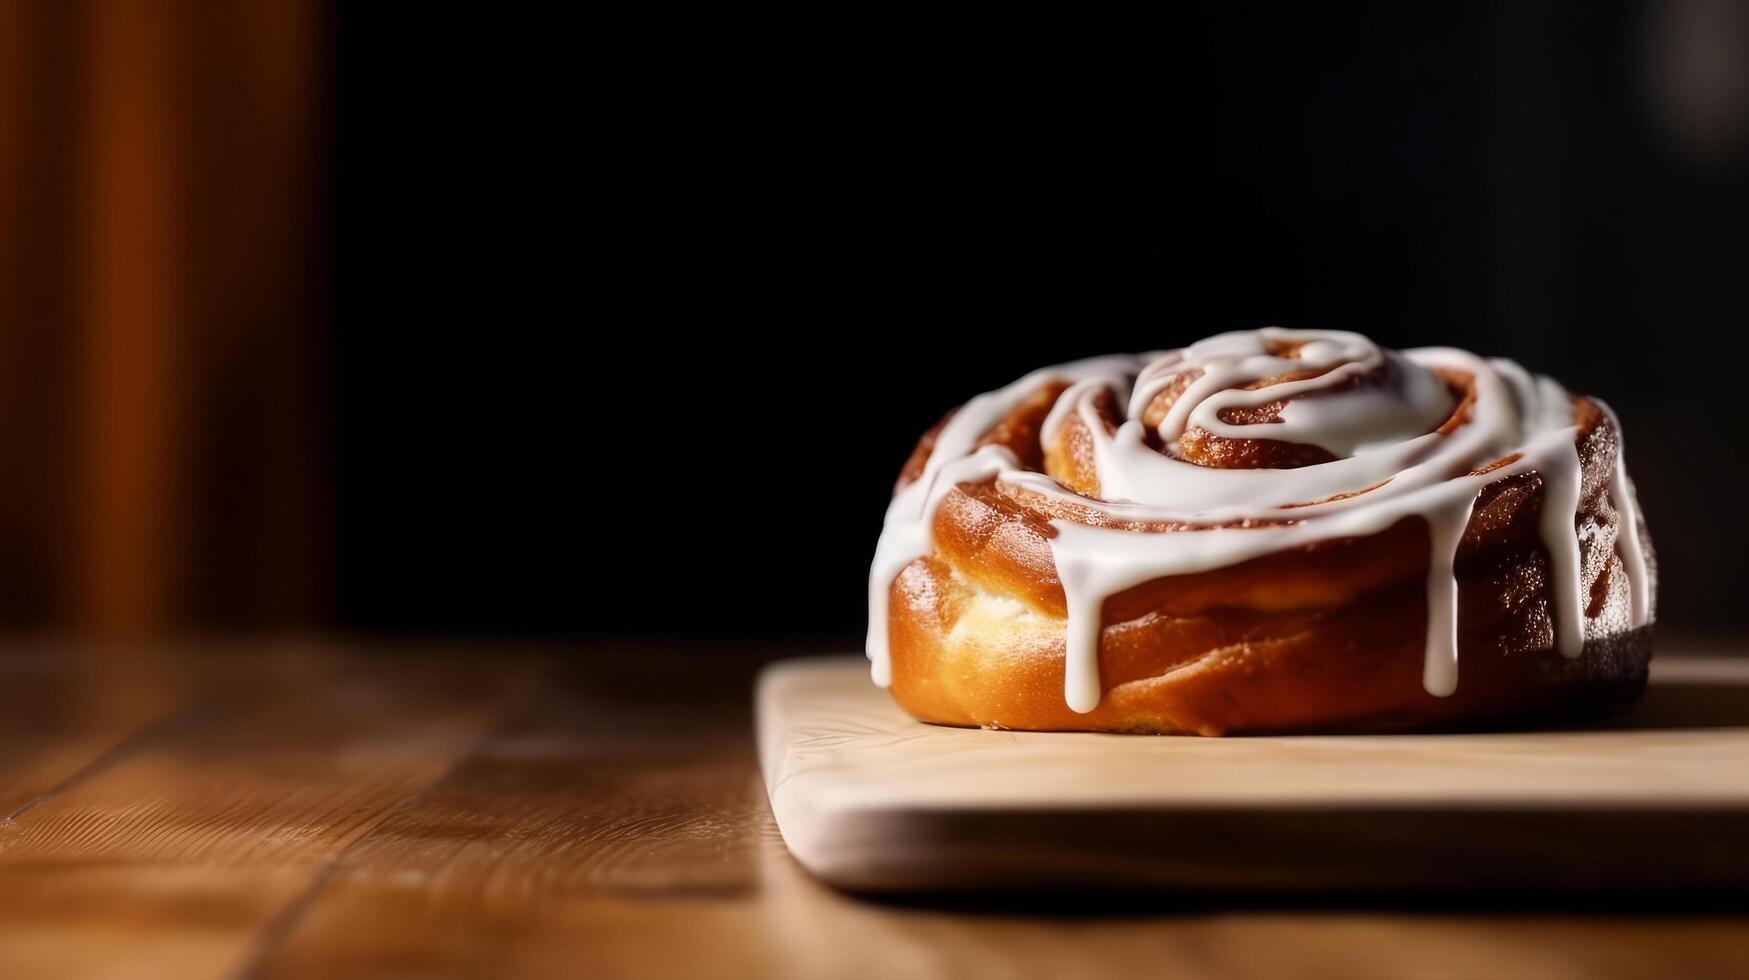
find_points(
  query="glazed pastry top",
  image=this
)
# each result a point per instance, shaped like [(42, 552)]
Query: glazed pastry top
[(1256, 442)]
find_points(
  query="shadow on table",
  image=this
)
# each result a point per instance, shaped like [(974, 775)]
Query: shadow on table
[(1120, 903), (1676, 704)]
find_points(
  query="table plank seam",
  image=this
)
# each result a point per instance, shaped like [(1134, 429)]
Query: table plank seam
[(124, 749), (273, 936)]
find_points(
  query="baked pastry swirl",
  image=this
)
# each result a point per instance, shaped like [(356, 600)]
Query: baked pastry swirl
[(1267, 531)]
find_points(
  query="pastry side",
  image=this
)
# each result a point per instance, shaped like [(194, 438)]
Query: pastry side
[(1329, 631)]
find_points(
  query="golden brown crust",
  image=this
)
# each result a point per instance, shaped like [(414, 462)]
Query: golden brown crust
[(1330, 636)]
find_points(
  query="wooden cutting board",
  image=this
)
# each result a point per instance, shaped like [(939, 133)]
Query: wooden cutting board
[(868, 799)]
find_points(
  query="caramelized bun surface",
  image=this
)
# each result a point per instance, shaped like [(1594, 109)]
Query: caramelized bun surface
[(1325, 637)]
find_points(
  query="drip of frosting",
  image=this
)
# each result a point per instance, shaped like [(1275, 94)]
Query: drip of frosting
[(1439, 667), (956, 458), (1629, 543), (1390, 463)]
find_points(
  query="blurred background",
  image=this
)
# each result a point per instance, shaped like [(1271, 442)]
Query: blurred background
[(322, 317)]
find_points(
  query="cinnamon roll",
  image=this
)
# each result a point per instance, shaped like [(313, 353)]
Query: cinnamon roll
[(1267, 531)]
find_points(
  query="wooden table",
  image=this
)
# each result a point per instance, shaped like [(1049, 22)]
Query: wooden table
[(305, 809)]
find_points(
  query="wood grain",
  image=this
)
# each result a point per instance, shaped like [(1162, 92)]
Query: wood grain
[(60, 713), (868, 798), (572, 808), (184, 842), (305, 810)]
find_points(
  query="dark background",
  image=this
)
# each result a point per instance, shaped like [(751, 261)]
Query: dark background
[(636, 325), (350, 317)]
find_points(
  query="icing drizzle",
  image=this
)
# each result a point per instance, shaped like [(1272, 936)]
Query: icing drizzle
[(1392, 459)]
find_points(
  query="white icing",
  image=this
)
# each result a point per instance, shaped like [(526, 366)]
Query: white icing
[(1389, 465), (1439, 666), (1627, 539), (1560, 473), (955, 459)]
